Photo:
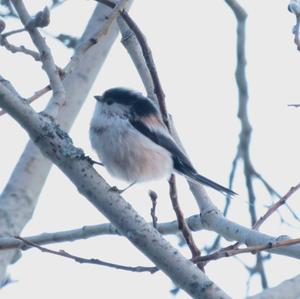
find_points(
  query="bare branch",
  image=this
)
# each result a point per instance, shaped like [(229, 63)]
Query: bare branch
[(288, 289), (88, 231), (5, 35), (133, 48), (294, 7), (46, 58), (150, 64), (97, 37), (183, 227), (12, 48), (153, 197), (275, 206), (93, 261), (18, 49), (251, 249)]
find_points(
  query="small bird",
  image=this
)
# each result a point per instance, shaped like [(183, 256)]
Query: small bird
[(133, 143)]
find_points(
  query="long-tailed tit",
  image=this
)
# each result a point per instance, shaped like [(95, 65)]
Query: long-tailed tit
[(133, 143)]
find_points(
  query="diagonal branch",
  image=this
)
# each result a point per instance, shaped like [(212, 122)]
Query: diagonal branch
[(251, 249), (288, 289), (275, 206), (150, 64)]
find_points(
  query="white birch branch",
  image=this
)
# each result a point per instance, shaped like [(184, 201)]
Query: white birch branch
[(194, 222), (288, 289), (89, 231)]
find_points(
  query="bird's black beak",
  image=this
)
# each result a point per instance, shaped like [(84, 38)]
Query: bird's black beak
[(99, 98)]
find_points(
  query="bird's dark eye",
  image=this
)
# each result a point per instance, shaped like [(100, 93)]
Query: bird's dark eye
[(109, 101)]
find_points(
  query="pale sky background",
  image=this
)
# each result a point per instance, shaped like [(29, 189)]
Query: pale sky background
[(193, 43)]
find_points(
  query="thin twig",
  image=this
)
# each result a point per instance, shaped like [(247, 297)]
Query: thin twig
[(4, 35), (40, 92), (139, 269), (231, 179), (150, 64), (34, 97), (148, 58), (93, 261), (275, 206), (259, 222), (18, 49), (153, 197), (251, 249), (182, 225)]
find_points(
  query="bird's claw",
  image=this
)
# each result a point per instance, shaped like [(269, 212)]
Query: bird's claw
[(116, 189), (92, 162), (120, 191)]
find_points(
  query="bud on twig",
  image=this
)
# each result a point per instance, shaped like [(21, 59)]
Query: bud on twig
[(41, 19), (294, 7)]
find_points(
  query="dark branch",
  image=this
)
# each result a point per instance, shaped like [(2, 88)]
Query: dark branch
[(93, 261), (153, 197)]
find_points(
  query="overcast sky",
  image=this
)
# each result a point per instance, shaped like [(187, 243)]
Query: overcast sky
[(193, 43)]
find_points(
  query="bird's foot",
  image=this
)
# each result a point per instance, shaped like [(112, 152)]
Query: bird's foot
[(92, 162), (120, 191), (116, 189)]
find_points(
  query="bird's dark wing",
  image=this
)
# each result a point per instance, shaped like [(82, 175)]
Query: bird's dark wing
[(164, 141), (181, 163)]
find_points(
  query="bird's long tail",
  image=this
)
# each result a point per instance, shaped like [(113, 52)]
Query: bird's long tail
[(185, 168), (197, 178)]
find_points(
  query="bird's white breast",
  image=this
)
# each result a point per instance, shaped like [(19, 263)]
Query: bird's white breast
[(126, 153)]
